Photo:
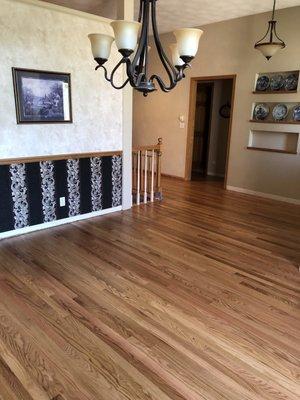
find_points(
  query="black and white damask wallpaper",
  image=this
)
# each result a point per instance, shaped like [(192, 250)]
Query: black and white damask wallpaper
[(30, 193)]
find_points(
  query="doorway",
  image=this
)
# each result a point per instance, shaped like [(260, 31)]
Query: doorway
[(203, 110), (211, 104)]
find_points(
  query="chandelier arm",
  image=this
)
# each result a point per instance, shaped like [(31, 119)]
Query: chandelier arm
[(131, 77), (170, 69), (141, 10), (277, 37), (137, 61), (142, 67), (111, 78), (163, 87), (122, 61), (139, 68), (264, 37), (162, 55), (105, 72), (120, 87), (179, 76)]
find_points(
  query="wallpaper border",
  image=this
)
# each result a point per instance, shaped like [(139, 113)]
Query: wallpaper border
[(42, 193)]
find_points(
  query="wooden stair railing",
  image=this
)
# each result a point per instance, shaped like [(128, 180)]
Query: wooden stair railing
[(146, 173)]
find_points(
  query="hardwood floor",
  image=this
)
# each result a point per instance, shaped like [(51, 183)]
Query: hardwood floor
[(193, 298)]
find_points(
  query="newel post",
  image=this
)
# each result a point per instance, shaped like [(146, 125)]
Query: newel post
[(158, 194)]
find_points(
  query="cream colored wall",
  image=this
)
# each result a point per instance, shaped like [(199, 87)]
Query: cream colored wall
[(227, 48), (52, 39)]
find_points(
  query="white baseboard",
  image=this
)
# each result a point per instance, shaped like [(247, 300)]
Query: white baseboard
[(52, 224), (265, 195)]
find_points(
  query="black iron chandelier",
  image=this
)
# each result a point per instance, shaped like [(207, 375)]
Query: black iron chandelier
[(270, 43), (132, 40)]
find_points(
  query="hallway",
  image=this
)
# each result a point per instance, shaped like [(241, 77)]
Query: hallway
[(192, 298)]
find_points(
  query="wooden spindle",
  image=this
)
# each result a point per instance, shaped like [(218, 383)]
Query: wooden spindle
[(138, 193), (158, 171), (146, 177), (133, 172), (146, 170), (152, 176)]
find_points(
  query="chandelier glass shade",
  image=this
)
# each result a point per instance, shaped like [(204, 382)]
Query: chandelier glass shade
[(132, 41), (270, 43)]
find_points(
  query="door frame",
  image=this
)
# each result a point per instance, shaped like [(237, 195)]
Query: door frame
[(191, 122)]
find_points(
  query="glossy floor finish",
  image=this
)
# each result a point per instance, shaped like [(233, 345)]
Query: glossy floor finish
[(193, 298)]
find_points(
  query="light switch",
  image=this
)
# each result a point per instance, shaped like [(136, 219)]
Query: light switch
[(62, 201)]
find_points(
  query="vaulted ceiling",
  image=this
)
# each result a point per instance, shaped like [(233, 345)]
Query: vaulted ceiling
[(179, 13)]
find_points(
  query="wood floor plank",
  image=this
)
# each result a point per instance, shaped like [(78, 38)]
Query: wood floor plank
[(83, 350), (11, 387), (193, 298)]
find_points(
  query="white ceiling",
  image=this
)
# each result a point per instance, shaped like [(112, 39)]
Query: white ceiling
[(179, 13)]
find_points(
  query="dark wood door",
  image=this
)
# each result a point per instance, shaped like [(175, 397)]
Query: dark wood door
[(202, 127)]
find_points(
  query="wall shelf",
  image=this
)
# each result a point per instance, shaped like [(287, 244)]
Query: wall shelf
[(271, 75), (275, 92), (271, 150), (276, 142), (275, 122), (269, 119)]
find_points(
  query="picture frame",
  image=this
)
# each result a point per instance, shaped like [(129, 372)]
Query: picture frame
[(42, 97)]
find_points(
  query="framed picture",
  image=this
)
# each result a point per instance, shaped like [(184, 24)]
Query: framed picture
[(42, 96)]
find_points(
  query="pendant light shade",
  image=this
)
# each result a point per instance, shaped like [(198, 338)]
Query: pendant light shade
[(188, 42), (270, 43), (101, 46), (269, 49), (126, 35), (177, 61)]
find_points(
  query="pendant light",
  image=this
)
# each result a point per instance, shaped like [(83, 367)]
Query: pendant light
[(132, 41), (270, 43)]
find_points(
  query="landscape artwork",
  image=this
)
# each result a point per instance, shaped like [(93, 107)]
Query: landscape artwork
[(42, 97)]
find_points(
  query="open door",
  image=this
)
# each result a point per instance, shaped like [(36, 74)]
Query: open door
[(209, 127), (202, 129)]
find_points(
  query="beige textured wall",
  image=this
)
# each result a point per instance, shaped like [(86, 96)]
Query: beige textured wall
[(227, 48), (49, 39)]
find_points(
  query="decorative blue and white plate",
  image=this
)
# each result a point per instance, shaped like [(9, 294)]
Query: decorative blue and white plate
[(261, 111), (262, 84), (291, 82), (280, 112), (277, 82), (296, 113)]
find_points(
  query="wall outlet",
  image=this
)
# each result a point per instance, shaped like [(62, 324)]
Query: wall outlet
[(62, 201), (181, 125)]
